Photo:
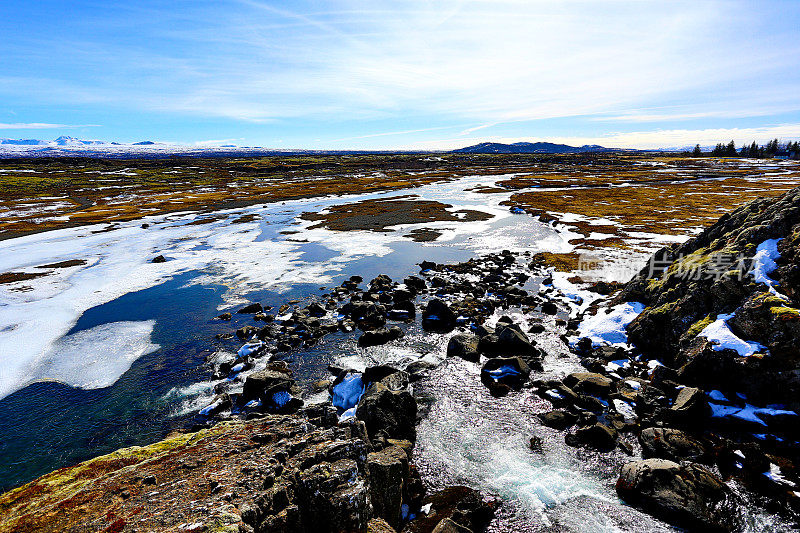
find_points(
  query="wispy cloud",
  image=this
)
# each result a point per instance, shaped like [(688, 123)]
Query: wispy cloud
[(640, 139), (340, 73), (42, 126)]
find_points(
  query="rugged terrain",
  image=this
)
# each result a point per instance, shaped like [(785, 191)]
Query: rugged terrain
[(705, 391)]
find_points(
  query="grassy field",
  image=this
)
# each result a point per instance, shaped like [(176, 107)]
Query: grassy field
[(615, 196)]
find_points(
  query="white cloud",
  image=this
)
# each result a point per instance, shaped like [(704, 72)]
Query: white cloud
[(42, 126), (640, 139)]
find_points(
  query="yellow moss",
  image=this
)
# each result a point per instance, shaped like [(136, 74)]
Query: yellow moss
[(785, 312), (699, 326)]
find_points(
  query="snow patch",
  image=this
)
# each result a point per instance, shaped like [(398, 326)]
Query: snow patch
[(609, 328), (764, 263), (718, 332)]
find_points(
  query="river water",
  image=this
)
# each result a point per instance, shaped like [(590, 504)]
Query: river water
[(112, 353)]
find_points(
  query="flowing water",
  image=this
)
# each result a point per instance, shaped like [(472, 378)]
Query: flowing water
[(113, 353)]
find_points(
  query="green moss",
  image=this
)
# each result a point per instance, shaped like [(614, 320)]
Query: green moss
[(699, 326), (785, 312)]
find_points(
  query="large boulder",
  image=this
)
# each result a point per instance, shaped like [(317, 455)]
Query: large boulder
[(264, 383), (688, 496), (597, 436), (503, 374), (690, 407), (388, 471), (463, 506), (465, 346), (674, 444), (558, 419), (379, 336), (438, 317), (388, 414), (589, 383)]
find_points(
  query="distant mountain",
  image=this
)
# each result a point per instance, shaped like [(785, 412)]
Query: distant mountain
[(22, 142), (65, 140), (530, 148)]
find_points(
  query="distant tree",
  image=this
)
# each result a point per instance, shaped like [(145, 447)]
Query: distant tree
[(730, 149), (754, 150), (697, 152), (772, 147), (745, 151)]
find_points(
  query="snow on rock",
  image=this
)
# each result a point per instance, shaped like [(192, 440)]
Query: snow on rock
[(250, 348), (718, 332), (764, 263), (348, 392), (609, 328), (748, 412)]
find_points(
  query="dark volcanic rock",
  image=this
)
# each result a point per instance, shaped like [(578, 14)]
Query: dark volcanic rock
[(379, 336), (438, 317), (465, 346), (251, 309), (265, 383), (461, 505), (386, 413), (689, 496), (388, 469), (558, 419), (673, 444), (502, 374)]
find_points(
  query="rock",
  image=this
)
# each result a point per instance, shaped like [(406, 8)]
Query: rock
[(512, 341), (251, 309), (690, 407), (438, 317), (597, 436), (589, 383), (415, 283), (391, 414), (225, 316), (688, 496), (673, 444), (502, 374), (449, 526), (403, 310), (387, 471), (462, 505), (549, 308), (379, 336), (379, 525), (465, 346), (159, 259), (264, 383), (558, 419), (246, 332)]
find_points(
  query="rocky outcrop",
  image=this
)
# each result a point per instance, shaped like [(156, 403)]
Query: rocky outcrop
[(719, 272), (690, 495), (304, 473)]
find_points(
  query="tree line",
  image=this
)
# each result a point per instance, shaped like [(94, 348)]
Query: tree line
[(752, 150)]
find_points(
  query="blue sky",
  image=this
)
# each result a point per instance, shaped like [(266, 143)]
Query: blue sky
[(404, 74)]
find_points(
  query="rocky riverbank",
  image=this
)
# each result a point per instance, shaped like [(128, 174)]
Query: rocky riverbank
[(704, 393)]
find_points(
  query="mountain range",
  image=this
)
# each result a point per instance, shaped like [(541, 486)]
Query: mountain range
[(530, 148)]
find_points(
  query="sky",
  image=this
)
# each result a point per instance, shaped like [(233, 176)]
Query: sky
[(435, 74)]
